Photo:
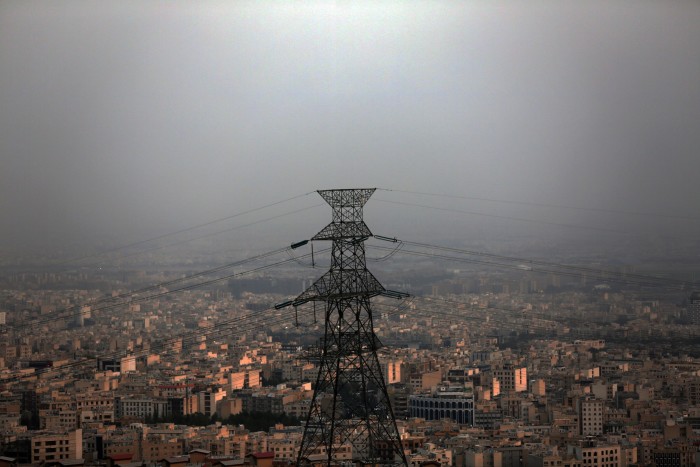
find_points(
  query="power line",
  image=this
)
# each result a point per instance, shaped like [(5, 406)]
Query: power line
[(497, 216), (251, 321), (134, 299), (219, 232), (268, 322), (180, 231), (546, 205), (238, 325), (244, 323), (560, 269), (629, 278), (60, 314), (602, 273), (477, 314), (569, 270), (450, 249)]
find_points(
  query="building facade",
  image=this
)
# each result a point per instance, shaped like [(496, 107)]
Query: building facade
[(456, 403)]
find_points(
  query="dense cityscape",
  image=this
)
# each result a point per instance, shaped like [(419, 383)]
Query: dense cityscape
[(483, 367), (336, 233)]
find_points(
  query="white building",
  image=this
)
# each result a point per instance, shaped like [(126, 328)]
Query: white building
[(140, 407)]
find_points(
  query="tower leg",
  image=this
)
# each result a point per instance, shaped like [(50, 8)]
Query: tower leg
[(350, 417)]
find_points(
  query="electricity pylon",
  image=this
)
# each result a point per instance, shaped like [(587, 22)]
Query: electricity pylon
[(350, 419)]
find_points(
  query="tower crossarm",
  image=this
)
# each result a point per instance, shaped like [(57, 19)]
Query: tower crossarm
[(341, 284), (344, 230)]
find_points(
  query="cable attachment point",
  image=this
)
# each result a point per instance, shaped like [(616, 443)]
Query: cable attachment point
[(284, 304), (296, 245), (395, 294)]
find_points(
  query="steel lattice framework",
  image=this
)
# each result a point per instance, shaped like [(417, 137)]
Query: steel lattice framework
[(350, 418)]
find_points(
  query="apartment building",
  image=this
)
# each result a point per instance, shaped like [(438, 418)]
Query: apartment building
[(50, 447)]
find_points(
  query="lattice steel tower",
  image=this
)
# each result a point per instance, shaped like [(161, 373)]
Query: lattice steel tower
[(350, 418)]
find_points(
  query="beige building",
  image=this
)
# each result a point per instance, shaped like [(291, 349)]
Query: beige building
[(244, 379), (57, 446), (590, 417), (425, 380), (209, 399), (511, 378), (591, 454), (285, 446), (538, 387), (392, 371), (155, 448)]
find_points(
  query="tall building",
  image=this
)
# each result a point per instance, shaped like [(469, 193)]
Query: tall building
[(590, 417), (392, 370), (30, 403), (209, 399), (398, 395), (511, 378), (538, 387), (694, 308), (244, 379)]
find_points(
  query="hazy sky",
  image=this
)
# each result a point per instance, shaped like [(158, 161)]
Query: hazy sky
[(136, 118)]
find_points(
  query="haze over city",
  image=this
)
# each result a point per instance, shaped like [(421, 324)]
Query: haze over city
[(120, 121), (340, 233)]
